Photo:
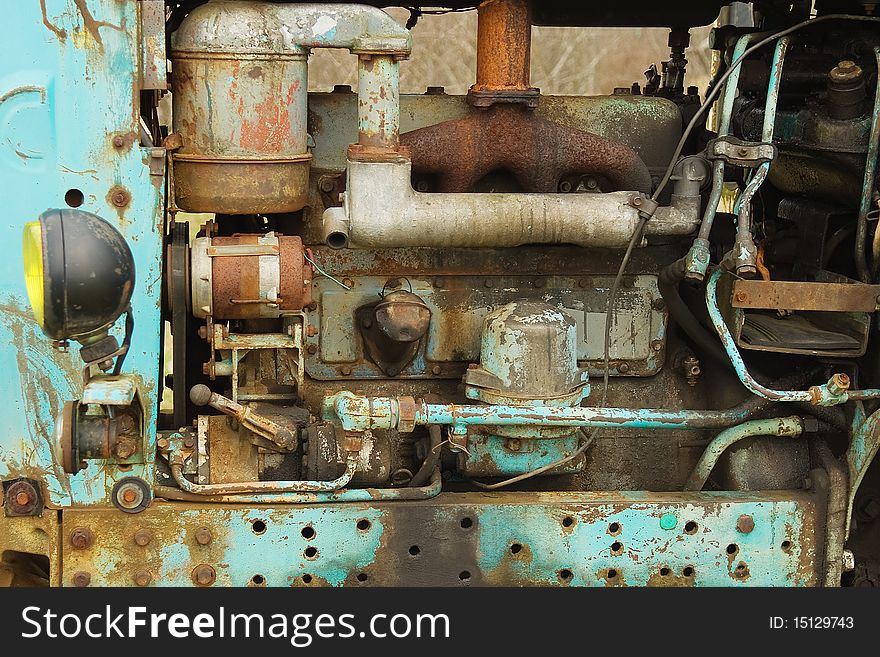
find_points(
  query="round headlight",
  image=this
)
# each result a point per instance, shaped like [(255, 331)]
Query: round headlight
[(79, 273)]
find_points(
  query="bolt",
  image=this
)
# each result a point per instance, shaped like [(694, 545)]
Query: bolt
[(438, 282), (22, 498), (422, 186), (657, 345), (312, 348), (312, 331), (845, 71), (203, 536), (189, 442), (204, 575), (126, 423), (745, 524), (327, 184), (741, 297), (142, 537), (583, 283), (623, 368), (346, 370), (120, 198), (118, 141), (436, 370), (81, 538), (538, 282), (347, 282), (142, 578), (488, 283), (128, 495), (81, 578), (742, 152), (313, 305), (513, 444), (162, 443), (565, 187)]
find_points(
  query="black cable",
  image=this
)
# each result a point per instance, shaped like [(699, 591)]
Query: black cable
[(126, 341)]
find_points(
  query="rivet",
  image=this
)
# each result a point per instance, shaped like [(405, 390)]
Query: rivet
[(143, 537), (81, 537), (203, 536), (142, 578), (745, 524), (81, 578), (436, 370), (346, 370)]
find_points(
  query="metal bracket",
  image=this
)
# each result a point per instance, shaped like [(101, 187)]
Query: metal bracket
[(741, 153)]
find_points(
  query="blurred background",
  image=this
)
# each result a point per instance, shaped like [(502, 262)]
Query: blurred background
[(565, 60)]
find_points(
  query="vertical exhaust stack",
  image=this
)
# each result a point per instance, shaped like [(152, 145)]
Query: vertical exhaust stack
[(240, 94)]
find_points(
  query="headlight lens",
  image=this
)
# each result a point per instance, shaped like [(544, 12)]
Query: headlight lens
[(33, 269)]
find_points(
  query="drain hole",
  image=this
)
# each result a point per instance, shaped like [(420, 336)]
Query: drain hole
[(414, 550), (310, 552), (612, 574), (307, 579), (74, 198), (614, 528), (664, 572), (466, 523), (616, 547), (363, 524), (516, 548), (688, 571), (786, 546), (464, 575), (565, 574), (308, 532), (259, 580), (690, 527), (733, 548), (362, 577), (258, 526), (567, 521)]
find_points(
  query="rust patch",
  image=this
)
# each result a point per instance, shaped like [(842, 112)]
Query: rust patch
[(61, 33), (92, 26)]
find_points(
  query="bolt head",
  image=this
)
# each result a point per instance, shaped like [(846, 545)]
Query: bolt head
[(203, 536), (436, 370), (142, 537), (745, 524), (142, 578), (204, 575), (81, 538), (312, 349), (623, 368), (118, 141), (81, 578)]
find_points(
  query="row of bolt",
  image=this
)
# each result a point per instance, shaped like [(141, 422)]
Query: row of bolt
[(82, 538)]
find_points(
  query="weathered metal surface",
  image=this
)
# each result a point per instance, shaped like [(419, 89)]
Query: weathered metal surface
[(503, 456), (240, 84), (20, 539), (537, 152), (504, 34), (797, 295), (459, 304), (584, 539), (154, 65), (382, 210), (70, 59)]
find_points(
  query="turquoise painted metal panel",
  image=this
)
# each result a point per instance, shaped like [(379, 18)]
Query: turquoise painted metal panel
[(578, 539), (68, 90)]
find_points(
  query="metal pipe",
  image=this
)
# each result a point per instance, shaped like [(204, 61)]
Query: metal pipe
[(358, 413), (835, 515), (836, 391), (261, 486), (868, 185), (379, 102), (504, 31), (348, 495), (777, 426), (382, 210)]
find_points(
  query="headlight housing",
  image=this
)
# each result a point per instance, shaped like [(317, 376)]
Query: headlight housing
[(79, 273)]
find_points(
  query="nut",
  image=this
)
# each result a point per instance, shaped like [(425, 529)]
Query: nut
[(203, 536), (81, 578), (203, 575), (312, 349), (745, 524), (142, 578), (81, 538)]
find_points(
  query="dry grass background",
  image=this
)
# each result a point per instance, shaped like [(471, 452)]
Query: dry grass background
[(565, 60)]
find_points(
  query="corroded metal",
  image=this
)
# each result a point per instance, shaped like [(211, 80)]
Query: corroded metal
[(798, 295), (538, 152), (469, 539)]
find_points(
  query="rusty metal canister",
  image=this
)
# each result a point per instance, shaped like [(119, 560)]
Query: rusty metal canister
[(240, 108)]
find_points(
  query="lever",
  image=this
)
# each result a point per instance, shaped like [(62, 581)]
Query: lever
[(202, 395)]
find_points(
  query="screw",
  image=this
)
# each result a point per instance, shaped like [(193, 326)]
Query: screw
[(142, 537), (204, 575), (81, 538), (120, 198), (118, 141), (81, 578), (142, 578), (436, 370), (745, 524), (312, 349), (203, 536)]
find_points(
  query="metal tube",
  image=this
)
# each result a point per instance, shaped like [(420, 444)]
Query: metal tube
[(778, 426), (379, 101), (357, 413), (773, 91), (732, 85), (504, 32), (835, 515), (262, 486), (348, 495), (868, 186)]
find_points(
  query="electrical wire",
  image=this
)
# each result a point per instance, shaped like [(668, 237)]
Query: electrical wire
[(644, 217)]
